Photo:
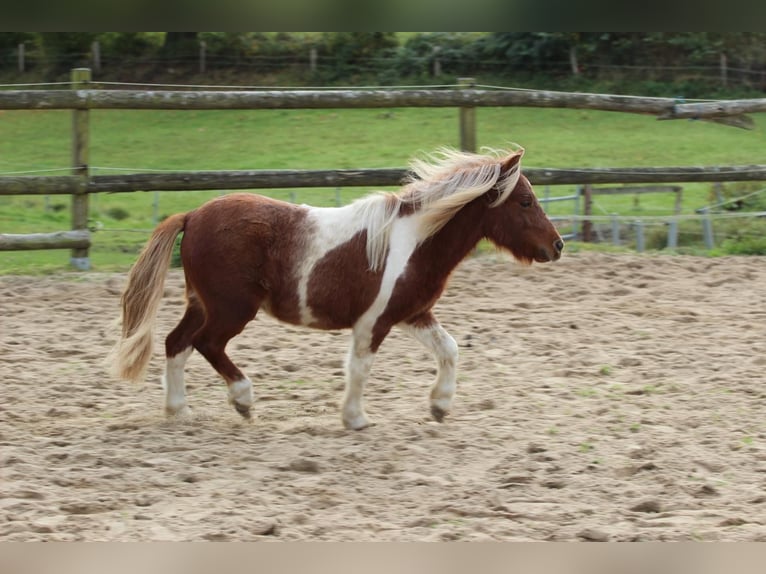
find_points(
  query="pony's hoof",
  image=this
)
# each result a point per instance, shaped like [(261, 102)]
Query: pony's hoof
[(357, 423), (183, 412), (438, 413), (243, 410)]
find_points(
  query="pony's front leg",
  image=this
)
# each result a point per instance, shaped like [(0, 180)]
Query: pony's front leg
[(432, 335), (358, 364)]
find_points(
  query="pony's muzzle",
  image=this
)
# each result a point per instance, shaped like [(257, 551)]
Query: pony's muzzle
[(553, 253), (558, 247)]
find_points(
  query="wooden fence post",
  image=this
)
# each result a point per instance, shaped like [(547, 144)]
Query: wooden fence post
[(313, 60), (437, 62), (22, 63), (467, 120), (80, 258), (573, 60), (576, 212), (95, 51)]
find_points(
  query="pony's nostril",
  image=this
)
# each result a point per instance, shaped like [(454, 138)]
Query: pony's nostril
[(559, 245)]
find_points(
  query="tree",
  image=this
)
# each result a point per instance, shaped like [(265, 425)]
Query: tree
[(65, 50), (180, 45)]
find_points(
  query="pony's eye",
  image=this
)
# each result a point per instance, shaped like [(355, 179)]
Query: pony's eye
[(526, 203)]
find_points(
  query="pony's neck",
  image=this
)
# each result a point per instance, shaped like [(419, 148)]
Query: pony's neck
[(443, 251)]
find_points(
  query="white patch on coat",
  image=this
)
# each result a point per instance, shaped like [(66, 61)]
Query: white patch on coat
[(403, 242), (330, 227)]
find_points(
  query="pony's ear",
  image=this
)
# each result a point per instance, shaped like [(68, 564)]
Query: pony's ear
[(511, 163)]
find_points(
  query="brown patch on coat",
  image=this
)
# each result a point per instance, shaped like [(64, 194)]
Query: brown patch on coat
[(241, 250), (341, 286)]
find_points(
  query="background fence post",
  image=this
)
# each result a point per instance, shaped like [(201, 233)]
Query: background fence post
[(95, 50), (467, 120), (576, 205), (313, 60), (437, 62), (673, 234), (80, 258), (707, 230), (587, 226), (22, 64), (640, 244), (615, 230)]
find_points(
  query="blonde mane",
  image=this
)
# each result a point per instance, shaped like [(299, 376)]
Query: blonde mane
[(436, 189)]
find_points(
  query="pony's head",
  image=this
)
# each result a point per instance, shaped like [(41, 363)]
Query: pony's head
[(515, 221)]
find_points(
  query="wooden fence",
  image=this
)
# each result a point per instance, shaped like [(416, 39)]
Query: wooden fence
[(465, 97)]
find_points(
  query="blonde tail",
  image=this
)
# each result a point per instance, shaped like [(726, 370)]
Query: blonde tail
[(141, 299)]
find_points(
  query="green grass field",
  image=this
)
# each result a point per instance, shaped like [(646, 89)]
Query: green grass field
[(33, 141)]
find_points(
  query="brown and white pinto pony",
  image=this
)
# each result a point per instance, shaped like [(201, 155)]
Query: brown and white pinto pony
[(381, 261)]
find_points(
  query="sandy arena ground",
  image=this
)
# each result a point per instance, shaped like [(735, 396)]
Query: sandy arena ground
[(603, 397)]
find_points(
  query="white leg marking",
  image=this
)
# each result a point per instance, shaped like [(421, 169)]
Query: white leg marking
[(173, 383), (358, 365), (241, 393), (445, 349)]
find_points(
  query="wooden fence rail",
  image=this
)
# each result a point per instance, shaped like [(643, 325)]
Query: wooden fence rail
[(465, 97), (383, 177), (91, 99), (75, 239)]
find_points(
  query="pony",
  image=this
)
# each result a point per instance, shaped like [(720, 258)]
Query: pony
[(379, 262)]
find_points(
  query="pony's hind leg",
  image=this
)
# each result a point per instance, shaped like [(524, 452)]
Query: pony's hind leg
[(426, 329), (221, 326), (178, 347), (173, 383)]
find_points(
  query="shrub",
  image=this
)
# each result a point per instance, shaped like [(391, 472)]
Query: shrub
[(752, 245), (120, 45), (743, 236), (118, 213)]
